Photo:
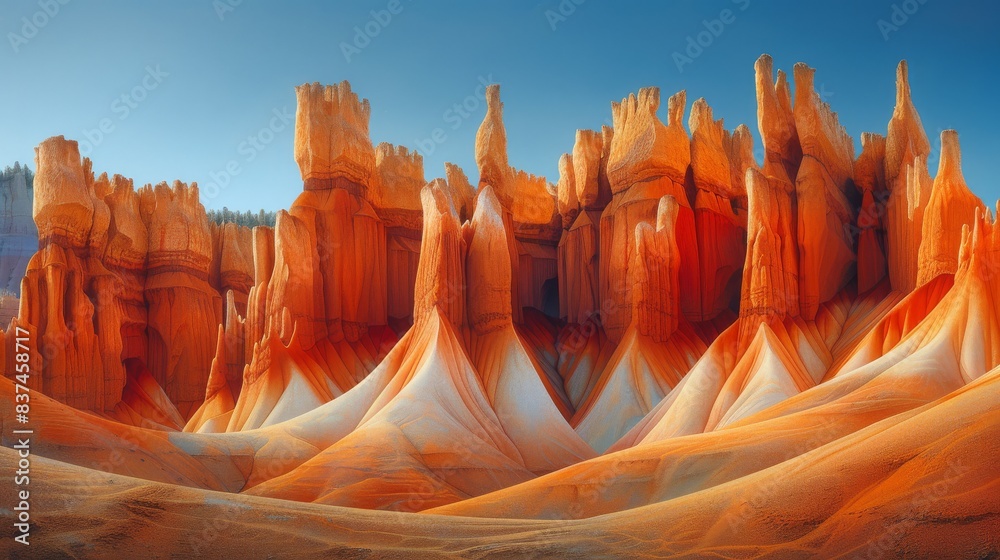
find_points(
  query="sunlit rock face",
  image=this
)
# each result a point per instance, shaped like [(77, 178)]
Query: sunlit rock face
[(530, 210), (827, 260), (125, 274), (332, 145), (400, 176), (948, 210), (669, 334), (647, 160), (908, 182)]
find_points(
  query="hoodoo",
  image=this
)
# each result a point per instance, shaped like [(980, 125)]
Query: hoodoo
[(675, 347)]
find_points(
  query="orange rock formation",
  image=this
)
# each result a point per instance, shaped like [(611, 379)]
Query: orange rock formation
[(674, 350)]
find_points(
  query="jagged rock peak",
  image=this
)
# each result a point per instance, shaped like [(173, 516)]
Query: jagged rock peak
[(178, 226), (128, 239), (400, 156), (462, 192), (711, 146), (906, 139), (951, 206), (607, 135), (178, 192), (491, 149), (569, 205), (642, 147), (820, 133), (979, 252), (534, 202), (950, 163), (825, 212), (776, 122), (587, 151), (906, 152), (332, 144), (400, 177), (741, 158), (337, 100), (63, 205)]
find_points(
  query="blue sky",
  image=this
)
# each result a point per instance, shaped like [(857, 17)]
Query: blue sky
[(210, 77)]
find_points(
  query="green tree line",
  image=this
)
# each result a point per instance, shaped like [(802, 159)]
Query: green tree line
[(247, 218)]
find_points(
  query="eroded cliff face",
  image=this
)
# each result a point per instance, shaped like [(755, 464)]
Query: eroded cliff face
[(949, 209), (671, 328), (530, 211), (656, 237), (123, 275), (704, 173), (647, 160), (181, 304), (332, 145), (869, 178), (553, 338), (909, 184), (827, 259)]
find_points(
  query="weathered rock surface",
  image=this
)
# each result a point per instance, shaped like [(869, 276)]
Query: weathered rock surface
[(461, 191), (182, 306), (530, 213), (951, 206), (397, 202), (332, 145), (657, 267), (719, 160), (827, 260), (441, 276), (647, 160), (491, 149), (591, 192), (906, 152), (126, 275), (771, 281), (584, 191), (782, 151), (869, 178), (579, 268), (864, 360)]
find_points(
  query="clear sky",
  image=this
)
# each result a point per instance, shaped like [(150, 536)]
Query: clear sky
[(207, 76)]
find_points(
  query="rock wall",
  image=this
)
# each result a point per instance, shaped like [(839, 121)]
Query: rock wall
[(652, 229), (124, 274)]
